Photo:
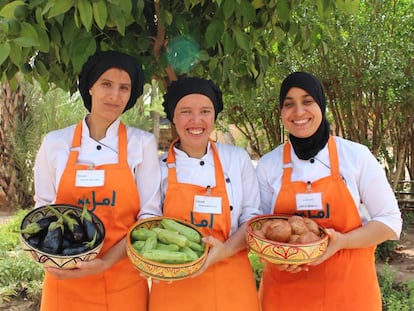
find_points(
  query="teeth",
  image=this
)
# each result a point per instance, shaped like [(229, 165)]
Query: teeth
[(196, 131), (300, 121)]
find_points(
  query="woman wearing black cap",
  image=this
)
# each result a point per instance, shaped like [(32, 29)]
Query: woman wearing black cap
[(114, 170), (340, 185), (213, 186)]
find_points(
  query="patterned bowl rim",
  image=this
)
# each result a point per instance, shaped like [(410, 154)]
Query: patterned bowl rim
[(255, 219), (160, 264), (38, 209)]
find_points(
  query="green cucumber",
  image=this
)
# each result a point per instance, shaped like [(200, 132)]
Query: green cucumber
[(165, 256), (188, 232)]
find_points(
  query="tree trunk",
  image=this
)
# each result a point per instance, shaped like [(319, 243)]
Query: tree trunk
[(13, 110)]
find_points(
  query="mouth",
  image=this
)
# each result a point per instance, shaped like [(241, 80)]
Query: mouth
[(301, 122), (195, 131)]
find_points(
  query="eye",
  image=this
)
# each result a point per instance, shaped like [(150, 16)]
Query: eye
[(287, 104), (206, 112), (185, 112), (125, 88), (308, 102), (106, 83)]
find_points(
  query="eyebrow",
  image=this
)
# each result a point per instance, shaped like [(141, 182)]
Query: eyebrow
[(304, 96)]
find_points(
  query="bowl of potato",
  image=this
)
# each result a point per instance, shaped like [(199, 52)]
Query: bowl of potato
[(60, 235), (166, 248), (285, 239)]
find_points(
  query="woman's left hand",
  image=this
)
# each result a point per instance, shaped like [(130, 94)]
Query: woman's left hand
[(336, 242), (216, 253), (83, 268)]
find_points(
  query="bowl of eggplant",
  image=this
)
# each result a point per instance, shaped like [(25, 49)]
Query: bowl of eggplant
[(60, 235)]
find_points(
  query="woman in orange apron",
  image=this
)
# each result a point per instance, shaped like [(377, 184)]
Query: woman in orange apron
[(335, 175), (197, 170), (95, 163)]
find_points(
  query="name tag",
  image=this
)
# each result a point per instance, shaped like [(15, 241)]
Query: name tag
[(207, 204), (90, 178), (309, 201)]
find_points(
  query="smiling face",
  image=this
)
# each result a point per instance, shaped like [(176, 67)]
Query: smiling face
[(194, 121), (110, 95), (301, 114)]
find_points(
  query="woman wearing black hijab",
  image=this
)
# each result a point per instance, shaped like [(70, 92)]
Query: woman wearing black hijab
[(114, 170), (348, 193)]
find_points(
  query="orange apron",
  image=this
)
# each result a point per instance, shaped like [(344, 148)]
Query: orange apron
[(117, 204), (226, 286), (347, 280)]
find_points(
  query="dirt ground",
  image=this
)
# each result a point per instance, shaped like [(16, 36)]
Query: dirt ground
[(403, 263)]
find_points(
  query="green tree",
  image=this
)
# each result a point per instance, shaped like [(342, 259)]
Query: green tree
[(226, 40)]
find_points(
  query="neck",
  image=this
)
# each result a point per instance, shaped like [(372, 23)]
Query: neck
[(192, 152), (97, 128)]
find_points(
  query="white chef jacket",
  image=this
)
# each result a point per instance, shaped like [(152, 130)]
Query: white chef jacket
[(142, 159), (240, 176), (363, 175)]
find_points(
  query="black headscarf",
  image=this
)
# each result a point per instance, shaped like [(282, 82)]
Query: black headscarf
[(191, 85), (100, 62), (306, 148)]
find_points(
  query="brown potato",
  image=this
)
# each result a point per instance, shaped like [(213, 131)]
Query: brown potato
[(312, 225), (294, 238), (279, 230), (266, 224), (307, 237), (259, 233), (298, 224)]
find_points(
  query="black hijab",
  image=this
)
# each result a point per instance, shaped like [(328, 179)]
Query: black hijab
[(306, 148), (100, 62), (191, 85)]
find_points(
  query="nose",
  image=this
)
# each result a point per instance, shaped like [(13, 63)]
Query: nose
[(299, 108)]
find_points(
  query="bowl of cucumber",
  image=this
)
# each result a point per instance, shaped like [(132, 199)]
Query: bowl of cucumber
[(166, 248), (60, 235)]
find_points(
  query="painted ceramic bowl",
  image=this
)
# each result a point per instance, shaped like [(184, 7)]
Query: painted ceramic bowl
[(283, 253), (158, 270), (74, 253)]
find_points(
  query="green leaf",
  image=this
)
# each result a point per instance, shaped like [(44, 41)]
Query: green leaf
[(118, 18), (228, 8), (86, 14), (15, 54), (348, 6), (283, 10), (203, 55), (4, 51), (242, 40), (60, 7), (228, 43), (7, 10), (28, 36), (214, 32), (257, 4), (44, 43), (41, 68), (247, 10), (39, 18), (100, 13), (81, 50)]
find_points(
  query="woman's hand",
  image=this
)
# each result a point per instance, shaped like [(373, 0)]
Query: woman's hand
[(217, 252), (337, 241), (83, 268)]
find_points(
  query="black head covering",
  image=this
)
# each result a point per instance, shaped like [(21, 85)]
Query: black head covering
[(306, 148), (191, 85), (100, 62)]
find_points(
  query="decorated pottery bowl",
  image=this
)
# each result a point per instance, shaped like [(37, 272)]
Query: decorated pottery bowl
[(152, 267), (280, 252), (64, 250)]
